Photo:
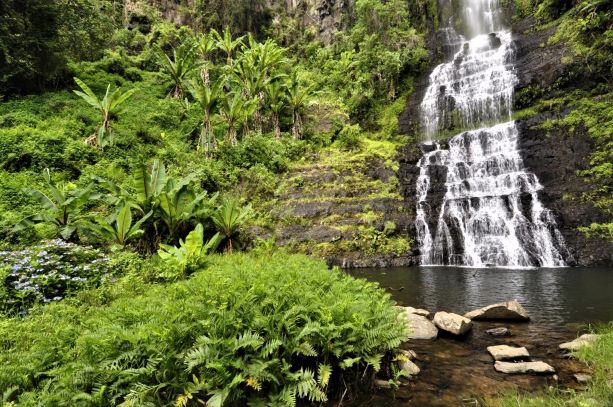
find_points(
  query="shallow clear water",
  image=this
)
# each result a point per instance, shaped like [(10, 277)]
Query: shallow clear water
[(551, 296), (459, 371)]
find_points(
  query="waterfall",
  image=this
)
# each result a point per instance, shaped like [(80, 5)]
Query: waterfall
[(487, 212)]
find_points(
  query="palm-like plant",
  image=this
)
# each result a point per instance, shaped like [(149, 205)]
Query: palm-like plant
[(107, 106), (205, 46), (228, 220), (236, 110), (118, 228), (227, 44), (298, 98), (190, 253), (208, 98), (177, 67), (180, 206), (63, 206), (276, 93)]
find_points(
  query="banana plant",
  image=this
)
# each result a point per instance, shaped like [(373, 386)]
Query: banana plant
[(119, 228), (191, 252), (207, 98), (236, 111), (228, 219), (227, 44), (298, 98), (62, 207), (177, 67), (205, 45), (107, 106), (180, 206), (276, 93)]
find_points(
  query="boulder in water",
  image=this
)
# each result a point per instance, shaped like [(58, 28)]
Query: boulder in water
[(420, 327), (583, 340), (508, 311), (453, 323), (505, 352), (408, 367), (523, 367)]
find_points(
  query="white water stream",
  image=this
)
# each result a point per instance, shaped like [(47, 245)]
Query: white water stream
[(490, 214)]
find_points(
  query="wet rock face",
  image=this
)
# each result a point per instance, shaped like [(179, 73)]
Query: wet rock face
[(555, 159), (554, 156)]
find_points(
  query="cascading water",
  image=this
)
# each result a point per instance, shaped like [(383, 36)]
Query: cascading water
[(489, 213)]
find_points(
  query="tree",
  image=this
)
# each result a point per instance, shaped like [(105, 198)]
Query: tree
[(227, 44), (63, 207), (228, 220), (208, 98), (182, 63), (236, 111), (108, 106)]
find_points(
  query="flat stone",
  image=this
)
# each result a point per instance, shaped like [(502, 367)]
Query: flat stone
[(408, 367), (505, 352), (582, 378), (452, 323), (583, 340), (502, 331), (523, 367), (418, 311), (420, 327), (507, 311)]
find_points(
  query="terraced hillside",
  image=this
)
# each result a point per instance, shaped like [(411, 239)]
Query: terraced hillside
[(345, 207)]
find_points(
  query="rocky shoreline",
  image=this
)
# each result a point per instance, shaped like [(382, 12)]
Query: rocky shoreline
[(450, 357)]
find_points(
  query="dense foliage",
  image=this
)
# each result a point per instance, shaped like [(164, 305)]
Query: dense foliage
[(257, 329)]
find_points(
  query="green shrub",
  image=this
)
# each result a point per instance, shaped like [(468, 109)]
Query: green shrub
[(248, 330), (349, 137)]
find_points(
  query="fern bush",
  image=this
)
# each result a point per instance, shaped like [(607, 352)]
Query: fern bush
[(270, 330)]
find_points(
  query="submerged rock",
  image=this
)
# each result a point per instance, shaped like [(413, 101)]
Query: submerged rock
[(501, 331), (420, 327), (583, 340), (452, 323), (523, 367), (508, 311), (504, 352)]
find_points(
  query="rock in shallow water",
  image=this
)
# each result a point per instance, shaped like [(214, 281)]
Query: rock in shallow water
[(502, 331), (504, 352), (508, 311), (408, 367), (583, 340), (420, 327), (452, 323), (523, 367)]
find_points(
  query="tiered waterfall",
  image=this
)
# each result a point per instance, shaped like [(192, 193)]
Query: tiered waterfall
[(489, 213)]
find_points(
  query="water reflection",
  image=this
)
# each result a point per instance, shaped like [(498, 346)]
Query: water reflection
[(552, 296)]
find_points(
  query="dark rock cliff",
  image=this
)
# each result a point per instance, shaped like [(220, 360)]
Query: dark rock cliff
[(555, 156)]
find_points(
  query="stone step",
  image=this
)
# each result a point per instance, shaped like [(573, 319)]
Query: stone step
[(505, 352), (524, 368)]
